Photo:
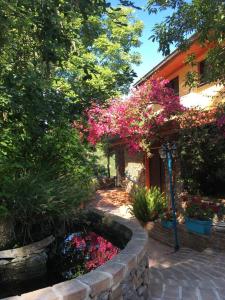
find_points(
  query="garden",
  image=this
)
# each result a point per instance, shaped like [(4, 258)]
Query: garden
[(200, 152), (200, 149), (65, 67), (56, 58)]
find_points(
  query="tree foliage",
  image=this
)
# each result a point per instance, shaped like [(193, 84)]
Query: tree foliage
[(105, 64), (205, 18), (202, 151), (55, 57)]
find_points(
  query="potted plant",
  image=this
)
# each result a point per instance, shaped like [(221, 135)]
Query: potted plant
[(199, 215), (147, 204), (167, 219)]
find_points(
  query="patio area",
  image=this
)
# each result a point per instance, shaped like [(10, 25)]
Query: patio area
[(183, 275)]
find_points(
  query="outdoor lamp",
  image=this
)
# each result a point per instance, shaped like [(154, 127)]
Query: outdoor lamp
[(167, 152), (168, 148)]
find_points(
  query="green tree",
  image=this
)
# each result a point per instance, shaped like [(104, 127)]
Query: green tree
[(55, 56), (103, 68), (205, 18)]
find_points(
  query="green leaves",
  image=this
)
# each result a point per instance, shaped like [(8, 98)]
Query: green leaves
[(147, 204), (56, 56), (3, 212), (202, 156), (202, 17)]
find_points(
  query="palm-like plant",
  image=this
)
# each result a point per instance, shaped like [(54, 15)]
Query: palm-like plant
[(148, 204)]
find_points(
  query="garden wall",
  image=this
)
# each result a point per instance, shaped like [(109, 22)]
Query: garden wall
[(126, 276), (187, 239), (134, 170)]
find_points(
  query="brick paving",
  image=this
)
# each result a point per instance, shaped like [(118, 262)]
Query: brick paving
[(184, 275), (190, 275)]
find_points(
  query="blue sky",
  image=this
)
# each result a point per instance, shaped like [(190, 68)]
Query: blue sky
[(148, 49)]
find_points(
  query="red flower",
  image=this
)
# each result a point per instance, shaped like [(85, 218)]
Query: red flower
[(95, 249)]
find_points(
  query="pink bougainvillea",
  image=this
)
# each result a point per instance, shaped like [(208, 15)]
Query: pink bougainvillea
[(136, 117)]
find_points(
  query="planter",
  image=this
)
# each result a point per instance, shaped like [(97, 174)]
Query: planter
[(167, 224), (126, 276), (198, 226)]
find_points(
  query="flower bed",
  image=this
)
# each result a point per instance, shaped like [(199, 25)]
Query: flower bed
[(82, 252), (126, 276)]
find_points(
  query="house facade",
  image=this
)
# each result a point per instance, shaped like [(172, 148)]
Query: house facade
[(150, 171)]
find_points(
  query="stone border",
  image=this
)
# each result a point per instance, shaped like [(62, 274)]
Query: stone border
[(126, 276)]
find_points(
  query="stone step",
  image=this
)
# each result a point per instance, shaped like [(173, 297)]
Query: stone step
[(187, 272), (194, 258), (197, 257), (217, 284), (168, 292)]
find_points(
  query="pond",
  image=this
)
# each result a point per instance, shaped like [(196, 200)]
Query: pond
[(85, 245)]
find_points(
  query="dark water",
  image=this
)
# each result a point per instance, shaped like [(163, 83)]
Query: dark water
[(61, 265)]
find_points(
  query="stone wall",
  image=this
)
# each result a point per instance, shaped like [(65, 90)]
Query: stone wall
[(120, 165), (125, 277), (134, 170), (187, 239)]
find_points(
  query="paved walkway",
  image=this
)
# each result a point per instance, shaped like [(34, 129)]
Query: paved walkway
[(115, 201), (184, 275)]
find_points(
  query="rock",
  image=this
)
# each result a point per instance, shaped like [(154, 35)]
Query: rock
[(6, 232), (24, 268), (30, 249), (3, 262), (24, 263)]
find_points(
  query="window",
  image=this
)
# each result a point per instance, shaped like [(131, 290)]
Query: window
[(203, 69), (174, 84)]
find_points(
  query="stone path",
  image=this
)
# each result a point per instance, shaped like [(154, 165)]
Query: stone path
[(184, 275), (114, 201)]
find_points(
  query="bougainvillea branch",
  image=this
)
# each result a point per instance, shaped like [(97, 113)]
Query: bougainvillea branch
[(136, 117), (197, 117)]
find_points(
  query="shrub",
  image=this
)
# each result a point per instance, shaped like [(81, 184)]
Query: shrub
[(148, 204), (202, 154), (48, 182)]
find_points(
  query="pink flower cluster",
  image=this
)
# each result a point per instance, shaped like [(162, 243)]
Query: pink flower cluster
[(96, 250), (136, 117), (221, 124)]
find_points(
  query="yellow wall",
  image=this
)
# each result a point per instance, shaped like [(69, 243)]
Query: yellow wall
[(204, 96)]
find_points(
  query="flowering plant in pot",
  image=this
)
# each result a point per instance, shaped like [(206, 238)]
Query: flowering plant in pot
[(167, 218), (199, 215)]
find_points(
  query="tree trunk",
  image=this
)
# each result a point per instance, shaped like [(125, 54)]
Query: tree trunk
[(108, 165)]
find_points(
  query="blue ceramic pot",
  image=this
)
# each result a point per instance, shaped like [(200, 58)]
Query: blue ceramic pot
[(167, 224), (198, 226)]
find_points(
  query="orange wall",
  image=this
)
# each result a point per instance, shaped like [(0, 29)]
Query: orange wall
[(204, 95)]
